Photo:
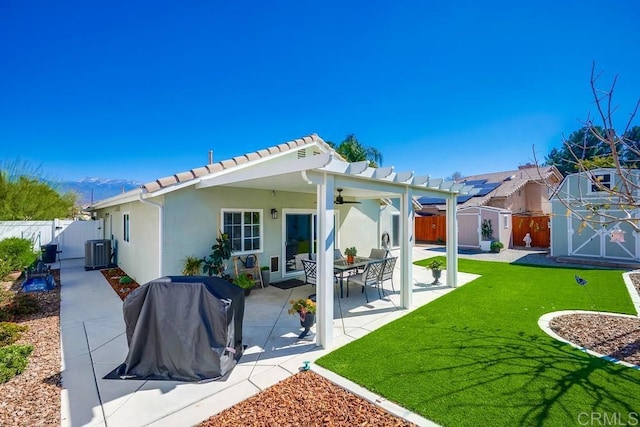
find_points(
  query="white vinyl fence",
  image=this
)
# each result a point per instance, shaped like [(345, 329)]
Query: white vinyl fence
[(68, 234)]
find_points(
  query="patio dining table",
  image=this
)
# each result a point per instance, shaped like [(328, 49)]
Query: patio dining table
[(341, 266)]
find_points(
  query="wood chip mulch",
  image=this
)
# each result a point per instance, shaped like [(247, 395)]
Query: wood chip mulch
[(617, 337), (33, 397), (305, 399), (113, 276)]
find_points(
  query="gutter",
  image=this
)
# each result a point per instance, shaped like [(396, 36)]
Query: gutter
[(160, 229)]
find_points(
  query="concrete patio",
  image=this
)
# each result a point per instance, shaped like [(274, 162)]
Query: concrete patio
[(93, 343)]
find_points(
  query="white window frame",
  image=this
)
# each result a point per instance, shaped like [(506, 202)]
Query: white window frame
[(126, 227), (242, 212)]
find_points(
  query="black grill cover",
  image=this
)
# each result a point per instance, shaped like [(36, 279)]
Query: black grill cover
[(183, 328)]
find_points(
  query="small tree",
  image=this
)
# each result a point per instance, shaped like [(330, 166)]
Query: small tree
[(596, 146)]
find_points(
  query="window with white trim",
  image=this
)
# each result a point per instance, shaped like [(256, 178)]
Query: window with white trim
[(600, 181), (125, 227), (244, 228)]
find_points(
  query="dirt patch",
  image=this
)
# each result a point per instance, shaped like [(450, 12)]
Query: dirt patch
[(114, 276)]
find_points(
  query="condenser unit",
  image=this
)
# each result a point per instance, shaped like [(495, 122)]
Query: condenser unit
[(97, 254)]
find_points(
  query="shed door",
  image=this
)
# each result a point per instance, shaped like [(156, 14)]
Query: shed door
[(468, 225)]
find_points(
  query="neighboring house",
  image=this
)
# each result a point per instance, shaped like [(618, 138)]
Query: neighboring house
[(502, 197), (573, 236), (521, 191), (276, 203)]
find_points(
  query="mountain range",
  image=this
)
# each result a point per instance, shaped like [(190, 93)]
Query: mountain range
[(92, 190)]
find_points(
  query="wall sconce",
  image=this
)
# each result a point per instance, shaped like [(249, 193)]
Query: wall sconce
[(274, 213), (617, 235)]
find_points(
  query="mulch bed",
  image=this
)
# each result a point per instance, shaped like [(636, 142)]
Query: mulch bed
[(33, 397), (113, 276), (305, 399)]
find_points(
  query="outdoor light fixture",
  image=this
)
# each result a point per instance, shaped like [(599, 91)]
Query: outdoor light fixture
[(617, 235), (274, 213)]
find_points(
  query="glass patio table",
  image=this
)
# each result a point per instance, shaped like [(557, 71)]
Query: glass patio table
[(341, 266)]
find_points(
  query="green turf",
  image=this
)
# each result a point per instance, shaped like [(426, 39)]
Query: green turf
[(476, 356)]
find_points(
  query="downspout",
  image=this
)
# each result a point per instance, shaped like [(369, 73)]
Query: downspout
[(160, 230)]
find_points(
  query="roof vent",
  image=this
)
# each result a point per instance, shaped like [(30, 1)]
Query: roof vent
[(302, 154), (509, 178)]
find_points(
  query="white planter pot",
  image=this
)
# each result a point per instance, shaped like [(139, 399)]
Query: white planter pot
[(485, 245)]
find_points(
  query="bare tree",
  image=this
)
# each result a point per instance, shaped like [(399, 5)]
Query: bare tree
[(618, 199)]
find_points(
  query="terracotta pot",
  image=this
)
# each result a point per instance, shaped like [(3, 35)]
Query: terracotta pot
[(350, 259)]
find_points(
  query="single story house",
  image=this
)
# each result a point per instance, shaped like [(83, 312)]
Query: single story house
[(584, 221), (297, 194)]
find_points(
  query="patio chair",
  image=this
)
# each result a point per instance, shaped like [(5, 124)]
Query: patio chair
[(378, 253), (369, 277), (310, 268), (387, 272)]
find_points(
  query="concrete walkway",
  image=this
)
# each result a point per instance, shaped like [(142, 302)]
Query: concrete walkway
[(93, 343)]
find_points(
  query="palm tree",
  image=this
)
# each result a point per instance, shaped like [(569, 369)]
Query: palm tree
[(353, 151)]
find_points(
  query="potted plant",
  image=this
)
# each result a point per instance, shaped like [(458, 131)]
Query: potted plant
[(496, 246), (191, 266), (306, 309), (220, 252), (486, 230), (265, 271), (245, 282), (436, 270), (351, 253)]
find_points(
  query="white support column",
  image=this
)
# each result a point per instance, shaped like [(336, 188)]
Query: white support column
[(406, 249), (452, 241), (324, 256)]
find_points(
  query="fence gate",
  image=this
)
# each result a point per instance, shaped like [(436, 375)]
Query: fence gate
[(68, 234), (536, 226), (430, 229)]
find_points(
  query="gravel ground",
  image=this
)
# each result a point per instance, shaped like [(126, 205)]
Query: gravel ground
[(33, 398)]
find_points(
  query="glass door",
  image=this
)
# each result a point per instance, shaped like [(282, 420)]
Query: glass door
[(300, 239)]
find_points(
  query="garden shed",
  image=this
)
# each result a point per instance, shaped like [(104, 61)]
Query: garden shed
[(597, 237), (470, 225)]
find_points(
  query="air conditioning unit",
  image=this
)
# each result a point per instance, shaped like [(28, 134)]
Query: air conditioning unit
[(97, 254)]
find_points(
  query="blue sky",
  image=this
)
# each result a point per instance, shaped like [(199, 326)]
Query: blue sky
[(140, 90)]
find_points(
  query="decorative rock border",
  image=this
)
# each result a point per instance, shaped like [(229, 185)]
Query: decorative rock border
[(545, 320)]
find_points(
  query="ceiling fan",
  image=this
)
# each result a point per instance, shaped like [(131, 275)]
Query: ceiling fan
[(339, 200)]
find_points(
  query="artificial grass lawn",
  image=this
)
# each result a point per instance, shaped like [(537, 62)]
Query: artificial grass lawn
[(477, 357)]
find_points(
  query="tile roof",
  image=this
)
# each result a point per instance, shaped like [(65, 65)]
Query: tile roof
[(183, 177)]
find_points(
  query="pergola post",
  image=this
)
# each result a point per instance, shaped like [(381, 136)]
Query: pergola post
[(406, 249), (452, 241), (324, 254)]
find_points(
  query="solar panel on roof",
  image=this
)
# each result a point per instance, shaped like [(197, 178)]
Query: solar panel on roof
[(487, 188), (476, 182), (431, 201)]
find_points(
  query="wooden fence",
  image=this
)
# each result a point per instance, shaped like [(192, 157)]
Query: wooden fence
[(536, 226), (432, 229)]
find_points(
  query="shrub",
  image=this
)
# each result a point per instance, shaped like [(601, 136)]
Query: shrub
[(13, 360), (23, 304), (10, 333), (17, 254), (125, 280)]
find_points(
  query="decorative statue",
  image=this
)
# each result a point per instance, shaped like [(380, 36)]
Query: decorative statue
[(527, 240)]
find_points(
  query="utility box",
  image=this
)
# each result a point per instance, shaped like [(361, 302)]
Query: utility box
[(49, 253), (97, 254)]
